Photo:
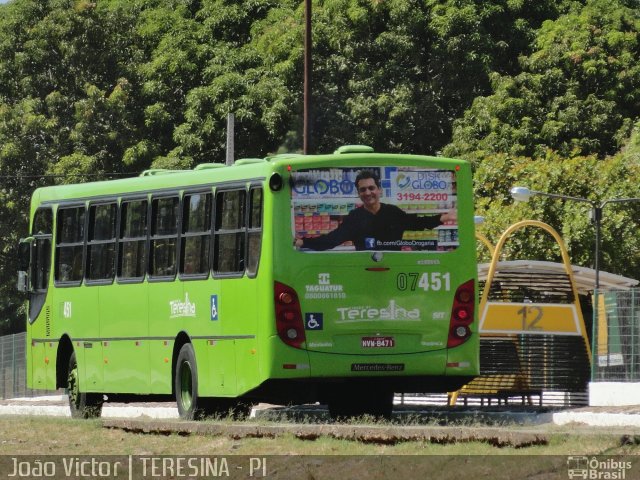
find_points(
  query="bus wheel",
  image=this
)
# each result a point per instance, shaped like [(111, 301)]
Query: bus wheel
[(186, 384), (82, 404)]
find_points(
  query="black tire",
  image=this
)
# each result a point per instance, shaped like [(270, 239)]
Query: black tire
[(353, 402), (81, 404), (186, 384)]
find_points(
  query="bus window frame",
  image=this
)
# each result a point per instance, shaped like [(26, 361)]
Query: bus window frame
[(196, 276), (249, 229), (240, 187), (129, 199), (88, 243), (41, 237), (151, 237), (68, 206)]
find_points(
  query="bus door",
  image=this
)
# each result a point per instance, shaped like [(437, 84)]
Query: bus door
[(34, 273)]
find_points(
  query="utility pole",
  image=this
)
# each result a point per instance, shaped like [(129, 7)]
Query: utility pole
[(306, 141), (231, 125)]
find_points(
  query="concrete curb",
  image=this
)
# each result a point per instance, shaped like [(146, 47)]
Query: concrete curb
[(57, 406)]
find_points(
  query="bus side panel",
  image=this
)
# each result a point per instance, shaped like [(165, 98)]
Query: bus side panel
[(165, 321), (231, 355), (36, 367), (124, 328), (160, 352), (219, 378), (246, 364), (208, 329), (40, 356), (50, 355), (174, 307), (246, 326), (75, 311)]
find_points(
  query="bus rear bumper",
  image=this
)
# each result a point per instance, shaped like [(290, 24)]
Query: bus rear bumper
[(307, 376)]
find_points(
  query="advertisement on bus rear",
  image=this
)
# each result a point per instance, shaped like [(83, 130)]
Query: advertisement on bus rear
[(374, 208)]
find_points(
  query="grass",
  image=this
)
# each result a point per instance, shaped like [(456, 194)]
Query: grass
[(62, 436), (328, 458)]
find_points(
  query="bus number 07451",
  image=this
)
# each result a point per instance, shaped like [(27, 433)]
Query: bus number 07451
[(434, 281)]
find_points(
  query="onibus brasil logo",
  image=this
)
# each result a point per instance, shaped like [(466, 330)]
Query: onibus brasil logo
[(596, 468)]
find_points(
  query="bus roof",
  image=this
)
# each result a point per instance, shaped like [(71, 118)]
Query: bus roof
[(211, 173)]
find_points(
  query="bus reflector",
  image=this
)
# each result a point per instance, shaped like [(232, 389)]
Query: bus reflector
[(288, 316), (458, 365), (461, 315), (295, 366)]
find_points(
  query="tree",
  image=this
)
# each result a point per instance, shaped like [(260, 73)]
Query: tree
[(62, 98), (395, 74), (586, 177), (578, 92)]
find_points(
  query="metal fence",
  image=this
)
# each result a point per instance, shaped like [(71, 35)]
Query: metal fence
[(13, 366), (616, 344)]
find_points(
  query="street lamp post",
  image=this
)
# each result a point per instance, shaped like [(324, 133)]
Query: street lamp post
[(523, 194)]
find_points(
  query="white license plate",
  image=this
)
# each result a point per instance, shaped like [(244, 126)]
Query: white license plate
[(378, 342)]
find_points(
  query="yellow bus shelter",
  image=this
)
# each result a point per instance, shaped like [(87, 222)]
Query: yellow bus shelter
[(533, 335)]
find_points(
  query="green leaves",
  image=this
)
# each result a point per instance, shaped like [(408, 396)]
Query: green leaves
[(577, 93), (585, 177)]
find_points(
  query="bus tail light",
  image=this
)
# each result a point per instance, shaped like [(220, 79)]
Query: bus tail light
[(462, 315), (288, 316)]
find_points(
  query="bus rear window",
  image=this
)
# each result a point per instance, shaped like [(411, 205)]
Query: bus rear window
[(374, 208)]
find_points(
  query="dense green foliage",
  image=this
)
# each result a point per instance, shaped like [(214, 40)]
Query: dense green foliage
[(578, 176), (578, 93), (543, 92)]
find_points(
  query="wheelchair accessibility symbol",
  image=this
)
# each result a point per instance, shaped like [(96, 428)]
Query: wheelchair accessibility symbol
[(313, 321), (214, 307)]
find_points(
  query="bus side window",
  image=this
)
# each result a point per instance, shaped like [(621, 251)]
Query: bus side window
[(42, 222), (42, 230), (229, 234), (133, 240), (164, 237), (101, 244), (196, 234), (254, 231), (69, 245)]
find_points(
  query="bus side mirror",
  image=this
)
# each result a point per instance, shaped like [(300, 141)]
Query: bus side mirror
[(24, 264)]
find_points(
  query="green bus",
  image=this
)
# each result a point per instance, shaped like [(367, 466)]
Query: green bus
[(338, 279)]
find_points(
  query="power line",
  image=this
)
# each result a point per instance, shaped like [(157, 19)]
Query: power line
[(69, 175)]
